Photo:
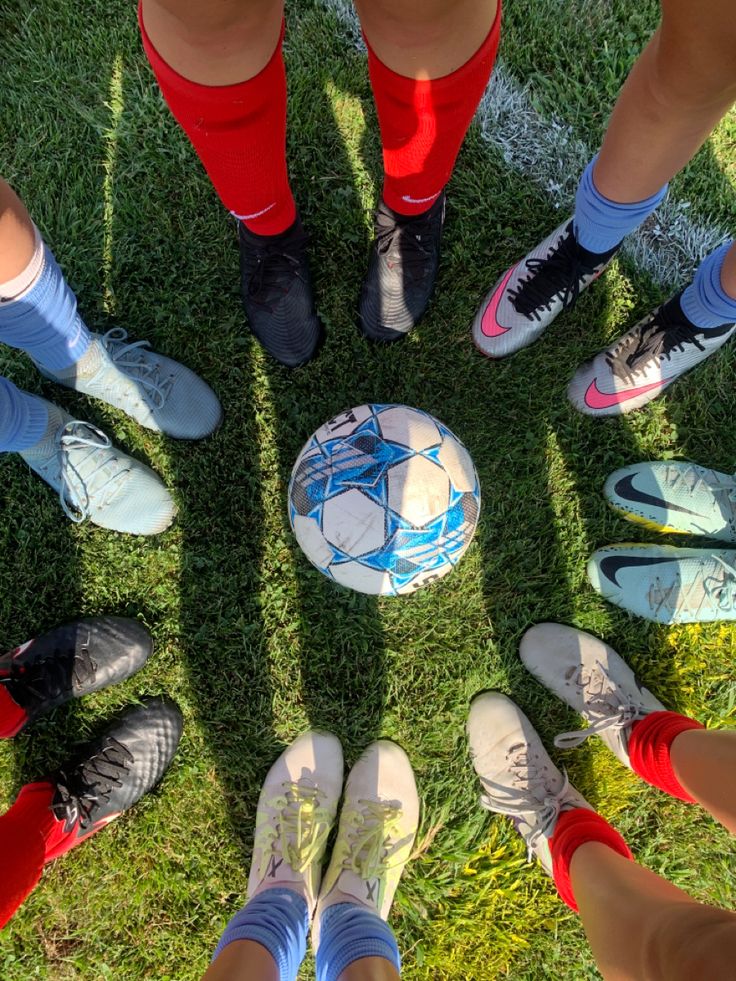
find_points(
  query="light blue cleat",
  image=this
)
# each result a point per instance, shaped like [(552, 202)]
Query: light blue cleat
[(156, 391), (667, 584), (96, 481), (676, 497)]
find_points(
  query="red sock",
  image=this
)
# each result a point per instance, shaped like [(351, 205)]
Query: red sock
[(649, 750), (12, 716), (423, 124), (575, 828), (23, 832), (239, 134)]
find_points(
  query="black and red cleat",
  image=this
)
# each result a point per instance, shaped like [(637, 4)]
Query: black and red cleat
[(68, 662), (111, 773)]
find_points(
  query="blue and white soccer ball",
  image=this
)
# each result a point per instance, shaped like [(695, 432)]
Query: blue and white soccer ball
[(384, 499)]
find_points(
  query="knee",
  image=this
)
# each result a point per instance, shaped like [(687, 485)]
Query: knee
[(684, 79), (209, 25)]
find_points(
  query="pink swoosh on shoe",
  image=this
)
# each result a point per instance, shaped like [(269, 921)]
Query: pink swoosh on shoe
[(489, 325), (597, 399)]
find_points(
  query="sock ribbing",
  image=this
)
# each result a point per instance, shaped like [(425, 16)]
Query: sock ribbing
[(650, 740), (575, 828), (704, 302), (23, 418), (601, 224), (348, 933)]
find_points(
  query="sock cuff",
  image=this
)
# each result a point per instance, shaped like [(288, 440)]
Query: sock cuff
[(349, 932), (704, 302), (12, 716), (212, 95), (277, 919), (14, 288), (481, 60), (575, 828), (650, 740), (600, 223), (24, 418)]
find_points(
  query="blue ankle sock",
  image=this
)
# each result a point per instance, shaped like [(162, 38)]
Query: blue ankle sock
[(705, 303), (349, 932), (600, 224), (44, 321), (278, 919), (23, 418)]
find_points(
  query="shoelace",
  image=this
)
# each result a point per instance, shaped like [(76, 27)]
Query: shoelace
[(521, 797), (656, 337), (272, 267), (615, 709), (373, 844), (79, 791), (410, 243), (48, 677), (301, 829), (139, 363), (559, 273), (720, 593), (79, 485), (675, 476)]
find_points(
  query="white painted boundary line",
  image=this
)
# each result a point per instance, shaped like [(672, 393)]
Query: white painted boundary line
[(668, 247)]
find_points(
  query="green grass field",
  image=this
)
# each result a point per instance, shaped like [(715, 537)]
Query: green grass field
[(253, 643)]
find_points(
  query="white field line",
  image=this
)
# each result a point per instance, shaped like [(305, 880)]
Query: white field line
[(668, 246)]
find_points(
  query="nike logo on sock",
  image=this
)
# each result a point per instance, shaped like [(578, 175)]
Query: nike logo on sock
[(626, 490), (256, 214), (410, 200), (596, 399)]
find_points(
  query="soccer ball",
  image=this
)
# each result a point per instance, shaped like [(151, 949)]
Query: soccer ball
[(384, 499)]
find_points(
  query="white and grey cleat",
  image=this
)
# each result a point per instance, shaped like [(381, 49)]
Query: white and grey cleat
[(592, 679), (97, 481), (156, 391), (296, 812), (378, 824), (517, 775)]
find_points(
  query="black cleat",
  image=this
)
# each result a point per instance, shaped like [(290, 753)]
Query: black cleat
[(73, 660), (276, 287), (113, 772), (402, 271)]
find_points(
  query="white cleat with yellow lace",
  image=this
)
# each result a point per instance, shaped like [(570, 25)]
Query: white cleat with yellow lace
[(156, 391), (296, 812), (378, 824)]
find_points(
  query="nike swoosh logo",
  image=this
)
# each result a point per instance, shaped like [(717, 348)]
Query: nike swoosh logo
[(410, 200), (625, 488), (256, 214), (489, 325), (611, 565), (596, 399)]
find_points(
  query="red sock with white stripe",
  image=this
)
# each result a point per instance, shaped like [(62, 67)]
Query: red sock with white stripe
[(423, 124), (239, 134)]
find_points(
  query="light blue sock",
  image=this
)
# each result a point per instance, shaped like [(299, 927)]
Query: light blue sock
[(705, 303), (23, 418), (277, 919), (44, 321), (349, 932), (601, 224)]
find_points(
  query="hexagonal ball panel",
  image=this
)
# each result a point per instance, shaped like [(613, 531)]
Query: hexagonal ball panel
[(361, 578), (418, 490), (456, 460), (312, 542), (353, 523)]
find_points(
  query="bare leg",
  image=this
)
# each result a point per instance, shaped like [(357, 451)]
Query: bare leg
[(16, 234), (426, 38), (642, 927), (728, 272), (243, 960), (704, 762), (370, 969), (676, 93), (217, 43)]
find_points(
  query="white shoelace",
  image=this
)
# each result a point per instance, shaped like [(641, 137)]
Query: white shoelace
[(79, 485), (521, 797), (603, 698), (134, 360), (704, 590)]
